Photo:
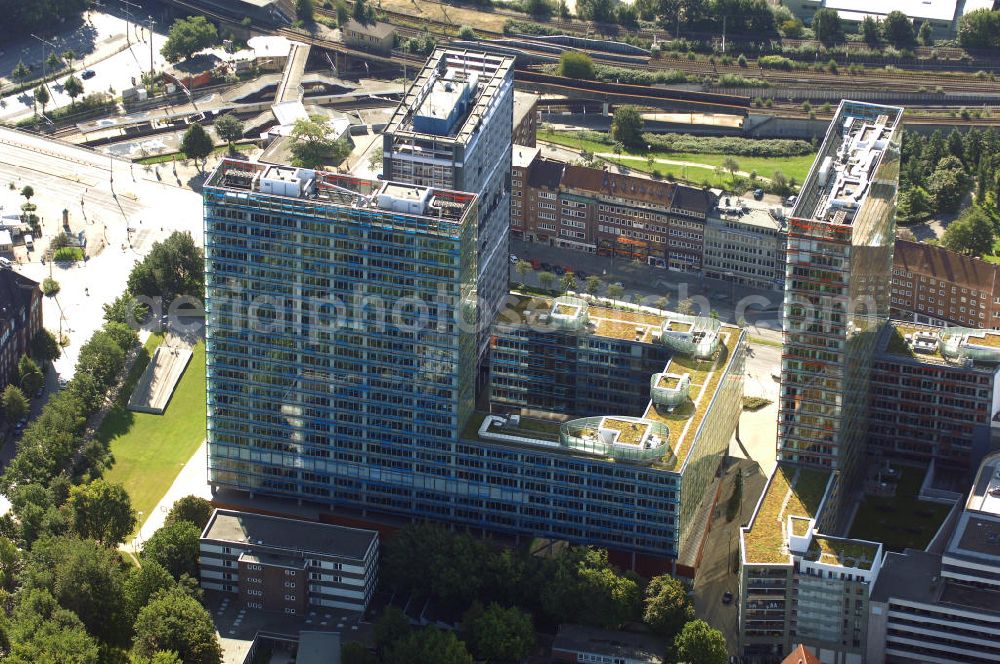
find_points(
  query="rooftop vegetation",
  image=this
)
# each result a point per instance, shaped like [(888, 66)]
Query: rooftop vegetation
[(842, 552), (766, 541), (901, 521), (629, 433)]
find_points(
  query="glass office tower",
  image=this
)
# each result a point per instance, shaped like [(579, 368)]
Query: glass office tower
[(840, 242), (340, 332)]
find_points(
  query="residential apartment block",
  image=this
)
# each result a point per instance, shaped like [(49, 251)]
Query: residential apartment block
[(942, 606), (588, 209), (20, 320), (934, 395), (452, 130), (287, 565), (933, 285), (798, 585), (525, 119), (840, 241)]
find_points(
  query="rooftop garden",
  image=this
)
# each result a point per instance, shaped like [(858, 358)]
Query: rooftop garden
[(678, 326), (668, 382), (529, 428), (707, 373), (989, 339), (800, 526), (566, 310), (901, 521), (629, 433), (897, 340), (766, 540), (842, 552)]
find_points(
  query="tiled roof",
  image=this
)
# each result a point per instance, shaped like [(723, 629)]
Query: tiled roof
[(801, 655), (694, 199), (940, 263), (377, 30), (616, 184), (546, 173)]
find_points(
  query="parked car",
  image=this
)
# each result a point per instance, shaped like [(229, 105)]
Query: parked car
[(546, 267), (727, 597), (536, 264), (758, 194), (5, 263), (790, 201), (87, 74), (514, 259)]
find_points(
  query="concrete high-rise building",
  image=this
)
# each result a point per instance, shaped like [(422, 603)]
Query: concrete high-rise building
[(839, 265), (339, 362), (453, 130)]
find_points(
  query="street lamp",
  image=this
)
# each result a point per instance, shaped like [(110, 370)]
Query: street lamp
[(44, 44)]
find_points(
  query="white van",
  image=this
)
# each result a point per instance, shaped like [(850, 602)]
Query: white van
[(29, 243), (5, 263)]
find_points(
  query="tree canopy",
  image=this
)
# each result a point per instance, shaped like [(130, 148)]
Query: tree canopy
[(626, 126), (192, 509), (573, 64), (979, 29), (229, 128), (972, 233), (101, 511), (827, 26), (428, 646), (698, 643), (666, 607), (197, 144), (498, 634), (172, 268), (187, 36), (174, 621), (311, 145), (897, 28), (175, 547), (14, 403)]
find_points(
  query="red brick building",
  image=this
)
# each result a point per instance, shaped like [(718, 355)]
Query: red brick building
[(20, 320), (940, 287), (589, 209)]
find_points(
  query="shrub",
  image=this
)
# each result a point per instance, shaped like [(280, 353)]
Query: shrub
[(737, 81), (50, 287), (742, 60), (730, 145), (775, 62), (68, 255)]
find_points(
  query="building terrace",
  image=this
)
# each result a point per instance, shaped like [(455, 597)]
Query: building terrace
[(790, 492), (842, 552), (948, 346)]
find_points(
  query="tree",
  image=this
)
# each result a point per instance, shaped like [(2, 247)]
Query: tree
[(686, 306), (102, 358), (978, 29), (376, 158), (393, 626), (546, 280), (125, 309), (428, 646), (175, 547), (343, 15), (175, 621), (73, 87), (101, 511), (731, 165), (229, 128), (869, 31), (948, 184), (467, 33), (568, 281), (124, 336), (523, 268), (50, 287), (827, 27), (354, 652), (497, 634), (700, 644), (29, 375), (898, 29), (781, 184), (27, 191), (53, 61), (573, 64), (601, 11), (304, 11), (187, 36), (311, 147), (40, 630), (20, 72), (69, 55), (197, 144), (538, 8), (627, 16), (45, 346), (626, 126), (42, 97), (192, 509), (143, 583), (15, 404), (593, 284), (84, 577), (615, 290), (362, 13), (584, 588), (666, 607), (172, 268), (926, 34), (971, 234)]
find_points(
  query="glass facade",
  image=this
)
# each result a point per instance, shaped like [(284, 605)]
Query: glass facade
[(840, 242)]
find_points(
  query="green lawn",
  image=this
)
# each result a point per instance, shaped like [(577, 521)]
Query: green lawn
[(793, 167), (901, 521), (180, 156), (150, 450)]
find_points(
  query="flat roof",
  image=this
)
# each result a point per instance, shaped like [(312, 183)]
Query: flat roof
[(840, 179), (790, 491), (978, 531), (939, 10), (522, 155), (523, 103), (251, 529), (318, 648), (582, 639), (915, 576)]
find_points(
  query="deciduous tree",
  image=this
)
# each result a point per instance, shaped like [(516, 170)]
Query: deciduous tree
[(498, 634), (175, 547), (666, 606), (573, 64), (972, 233), (175, 621), (197, 144), (187, 36), (15, 405), (192, 509), (229, 128), (102, 511), (626, 126), (827, 27), (700, 644)]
